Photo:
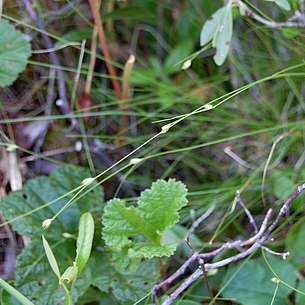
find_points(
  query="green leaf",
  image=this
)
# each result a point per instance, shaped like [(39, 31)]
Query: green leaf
[(34, 276), (8, 299), (15, 294), (252, 284), (76, 35), (130, 13), (126, 286), (177, 55), (143, 77), (147, 250), (283, 185), (300, 297), (159, 206), (123, 262), (51, 257), (156, 212), (295, 244), (69, 275), (38, 192), (120, 222), (84, 240), (223, 36), (35, 279), (14, 53), (210, 27), (291, 33), (283, 4), (177, 235)]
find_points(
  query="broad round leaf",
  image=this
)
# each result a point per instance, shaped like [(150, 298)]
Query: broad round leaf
[(249, 283), (14, 53)]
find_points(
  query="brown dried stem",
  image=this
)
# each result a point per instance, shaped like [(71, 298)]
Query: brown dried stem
[(95, 10)]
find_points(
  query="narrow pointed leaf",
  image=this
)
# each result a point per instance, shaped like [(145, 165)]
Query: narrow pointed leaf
[(51, 257)]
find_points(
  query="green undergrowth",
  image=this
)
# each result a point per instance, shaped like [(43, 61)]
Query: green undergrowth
[(252, 141)]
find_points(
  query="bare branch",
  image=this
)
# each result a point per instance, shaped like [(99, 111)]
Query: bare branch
[(253, 243), (251, 219), (297, 21)]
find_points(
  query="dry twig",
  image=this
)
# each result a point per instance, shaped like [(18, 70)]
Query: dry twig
[(249, 246), (296, 21)]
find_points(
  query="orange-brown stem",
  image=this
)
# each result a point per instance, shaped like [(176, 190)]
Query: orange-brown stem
[(95, 10)]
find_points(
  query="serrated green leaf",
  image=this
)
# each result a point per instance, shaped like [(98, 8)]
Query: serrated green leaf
[(252, 285), (37, 192), (34, 277), (126, 286), (146, 250), (120, 222), (159, 206), (14, 53), (123, 262), (36, 281), (222, 38), (211, 26), (156, 212)]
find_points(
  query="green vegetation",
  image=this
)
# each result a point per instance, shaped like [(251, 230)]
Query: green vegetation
[(152, 152)]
